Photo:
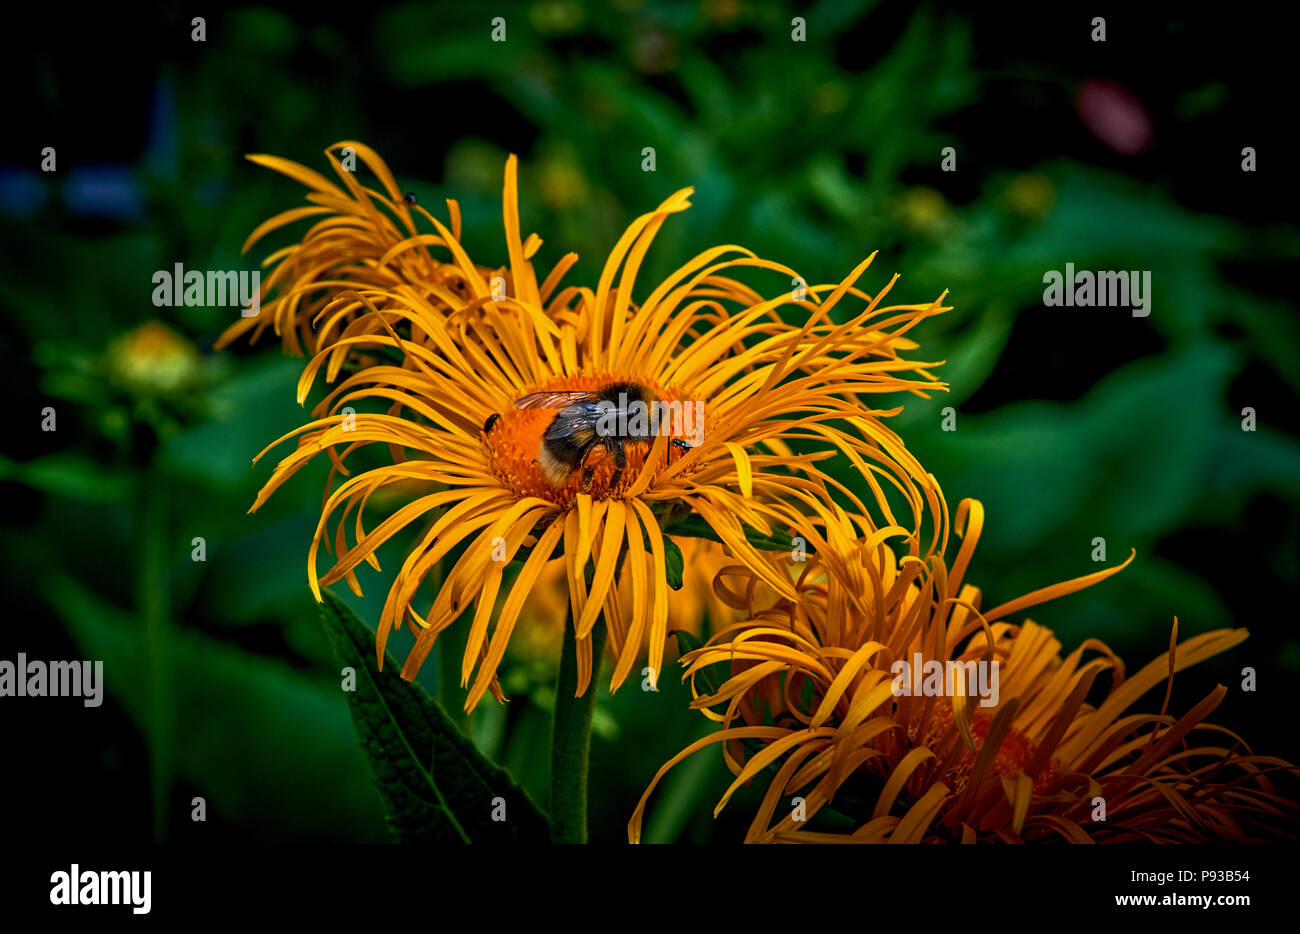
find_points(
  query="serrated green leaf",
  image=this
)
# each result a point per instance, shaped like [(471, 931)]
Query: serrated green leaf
[(436, 786)]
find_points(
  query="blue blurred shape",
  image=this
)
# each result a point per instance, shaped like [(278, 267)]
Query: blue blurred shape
[(22, 192), (107, 191)]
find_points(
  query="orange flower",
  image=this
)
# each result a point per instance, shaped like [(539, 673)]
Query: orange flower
[(819, 703), (361, 238), (443, 385)]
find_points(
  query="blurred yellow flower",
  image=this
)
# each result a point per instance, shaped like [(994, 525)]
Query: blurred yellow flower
[(152, 359), (562, 184), (924, 211), (722, 12), (1030, 195), (555, 16)]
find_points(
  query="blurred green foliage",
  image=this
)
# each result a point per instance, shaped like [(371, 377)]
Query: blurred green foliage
[(1098, 424)]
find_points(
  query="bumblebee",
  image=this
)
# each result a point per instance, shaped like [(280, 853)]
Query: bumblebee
[(584, 420)]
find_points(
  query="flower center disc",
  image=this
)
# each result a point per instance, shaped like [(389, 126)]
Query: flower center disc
[(1015, 753), (514, 444)]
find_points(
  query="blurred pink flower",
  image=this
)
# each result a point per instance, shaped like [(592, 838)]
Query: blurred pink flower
[(1113, 115)]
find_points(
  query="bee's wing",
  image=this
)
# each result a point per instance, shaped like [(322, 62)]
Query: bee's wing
[(553, 400), (580, 422)]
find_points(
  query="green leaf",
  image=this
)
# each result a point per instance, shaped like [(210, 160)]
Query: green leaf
[(673, 563), (696, 527), (69, 475), (706, 676), (436, 786), (224, 698), (253, 405)]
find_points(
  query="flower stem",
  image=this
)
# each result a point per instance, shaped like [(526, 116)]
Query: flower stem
[(152, 599), (571, 738)]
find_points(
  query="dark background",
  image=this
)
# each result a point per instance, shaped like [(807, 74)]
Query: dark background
[(1072, 423)]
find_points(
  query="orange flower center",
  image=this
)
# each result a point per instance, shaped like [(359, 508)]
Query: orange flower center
[(1014, 755), (584, 458)]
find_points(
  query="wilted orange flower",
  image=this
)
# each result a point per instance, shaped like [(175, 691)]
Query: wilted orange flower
[(439, 398), (818, 706)]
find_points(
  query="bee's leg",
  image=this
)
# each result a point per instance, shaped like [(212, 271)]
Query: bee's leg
[(588, 466), (620, 461)]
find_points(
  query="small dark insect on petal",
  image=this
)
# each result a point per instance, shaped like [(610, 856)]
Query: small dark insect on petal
[(491, 420), (409, 197)]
